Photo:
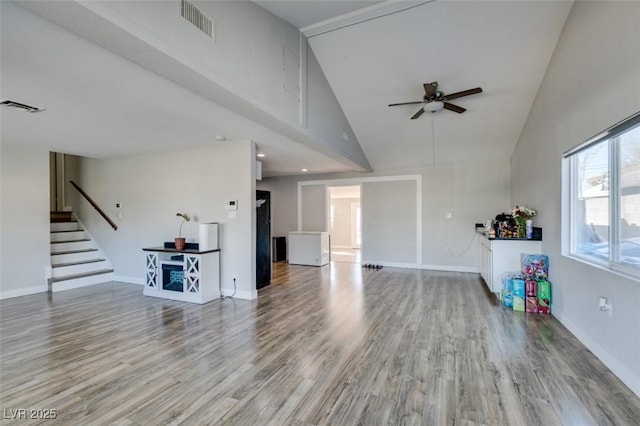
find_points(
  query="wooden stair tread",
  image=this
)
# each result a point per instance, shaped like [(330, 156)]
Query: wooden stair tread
[(74, 251), (83, 275), (57, 217), (80, 262), (71, 241), (71, 230)]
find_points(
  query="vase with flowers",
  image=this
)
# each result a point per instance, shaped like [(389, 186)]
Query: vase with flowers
[(181, 242), (523, 217)]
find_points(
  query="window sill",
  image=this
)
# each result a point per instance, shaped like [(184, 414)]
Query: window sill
[(628, 273)]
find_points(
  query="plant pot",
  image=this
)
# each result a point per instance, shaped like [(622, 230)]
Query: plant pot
[(180, 243)]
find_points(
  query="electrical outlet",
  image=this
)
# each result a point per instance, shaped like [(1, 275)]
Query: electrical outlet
[(605, 306), (448, 215)]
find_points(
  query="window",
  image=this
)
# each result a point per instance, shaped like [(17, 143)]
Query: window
[(604, 208)]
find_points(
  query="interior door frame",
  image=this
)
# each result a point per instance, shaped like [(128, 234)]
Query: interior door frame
[(354, 216)]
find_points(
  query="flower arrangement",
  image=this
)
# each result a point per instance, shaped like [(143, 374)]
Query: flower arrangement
[(521, 215), (522, 212), (185, 218)]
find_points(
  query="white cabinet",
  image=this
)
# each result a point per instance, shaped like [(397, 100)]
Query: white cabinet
[(189, 275), (486, 261), (499, 256)]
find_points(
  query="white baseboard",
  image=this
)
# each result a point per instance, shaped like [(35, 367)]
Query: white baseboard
[(446, 268), (240, 294), (129, 280), (23, 291), (449, 268), (627, 377)]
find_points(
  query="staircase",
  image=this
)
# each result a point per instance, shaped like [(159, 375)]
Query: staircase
[(75, 260)]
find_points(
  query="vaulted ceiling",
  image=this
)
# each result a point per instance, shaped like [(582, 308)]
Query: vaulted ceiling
[(372, 53), (385, 53)]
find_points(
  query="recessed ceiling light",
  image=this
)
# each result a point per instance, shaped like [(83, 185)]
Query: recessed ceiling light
[(261, 155), (305, 170), (220, 138)]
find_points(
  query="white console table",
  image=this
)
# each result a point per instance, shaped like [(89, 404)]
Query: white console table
[(186, 275)]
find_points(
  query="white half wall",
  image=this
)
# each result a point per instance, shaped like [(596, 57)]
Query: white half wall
[(593, 82), (24, 219), (153, 188)]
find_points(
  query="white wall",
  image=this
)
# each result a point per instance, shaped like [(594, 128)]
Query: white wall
[(471, 192), (389, 222), (313, 206), (24, 219), (325, 118), (153, 188), (248, 52), (592, 82)]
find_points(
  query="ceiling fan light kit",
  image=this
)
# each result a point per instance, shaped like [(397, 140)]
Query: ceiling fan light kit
[(434, 100), (434, 106)]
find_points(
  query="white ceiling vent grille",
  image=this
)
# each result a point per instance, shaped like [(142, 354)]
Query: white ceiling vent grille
[(192, 14)]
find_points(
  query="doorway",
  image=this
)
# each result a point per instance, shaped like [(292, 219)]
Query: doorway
[(345, 223)]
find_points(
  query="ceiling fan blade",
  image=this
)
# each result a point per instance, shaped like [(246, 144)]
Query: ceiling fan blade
[(407, 103), (430, 89), (454, 108), (461, 94), (418, 114)]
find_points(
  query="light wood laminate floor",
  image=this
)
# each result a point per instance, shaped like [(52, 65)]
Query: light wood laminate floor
[(337, 345)]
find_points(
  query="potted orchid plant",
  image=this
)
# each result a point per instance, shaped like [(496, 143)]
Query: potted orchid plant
[(181, 242)]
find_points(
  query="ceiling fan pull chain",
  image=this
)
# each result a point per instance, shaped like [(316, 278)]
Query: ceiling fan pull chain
[(433, 144)]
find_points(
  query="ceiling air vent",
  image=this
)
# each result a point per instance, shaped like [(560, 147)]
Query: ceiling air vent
[(18, 105), (192, 14)]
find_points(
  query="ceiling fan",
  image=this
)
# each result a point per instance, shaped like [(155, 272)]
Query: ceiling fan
[(435, 100)]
